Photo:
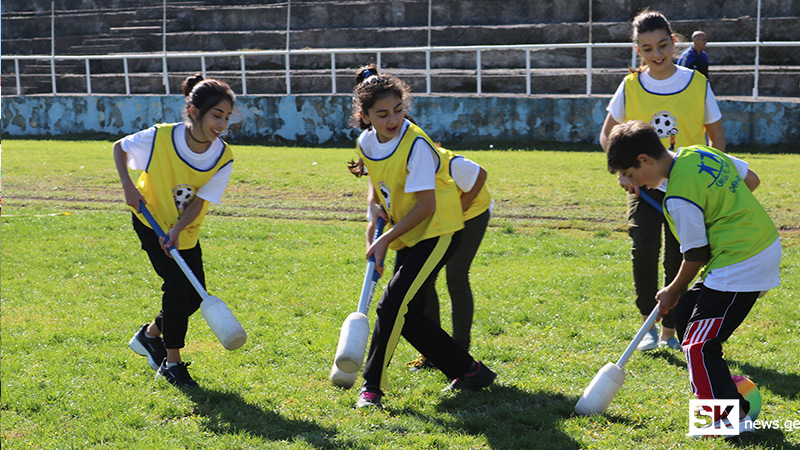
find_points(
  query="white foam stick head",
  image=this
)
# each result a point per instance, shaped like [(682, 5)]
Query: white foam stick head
[(341, 378), (352, 342), (223, 323), (601, 391)]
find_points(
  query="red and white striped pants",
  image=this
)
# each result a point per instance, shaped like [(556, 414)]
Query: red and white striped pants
[(705, 318)]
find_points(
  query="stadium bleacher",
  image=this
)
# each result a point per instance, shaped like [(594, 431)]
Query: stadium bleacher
[(116, 26)]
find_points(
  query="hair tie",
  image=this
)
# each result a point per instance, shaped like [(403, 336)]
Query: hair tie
[(369, 76)]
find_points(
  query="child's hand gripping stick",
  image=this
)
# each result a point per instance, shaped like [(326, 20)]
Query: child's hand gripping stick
[(219, 317), (355, 329)]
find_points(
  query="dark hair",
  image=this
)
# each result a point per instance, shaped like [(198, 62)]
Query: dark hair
[(629, 140), (205, 93), (372, 86), (647, 21)]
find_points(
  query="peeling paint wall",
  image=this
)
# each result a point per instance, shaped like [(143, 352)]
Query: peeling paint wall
[(323, 119)]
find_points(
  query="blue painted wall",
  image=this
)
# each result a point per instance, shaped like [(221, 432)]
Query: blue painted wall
[(323, 119)]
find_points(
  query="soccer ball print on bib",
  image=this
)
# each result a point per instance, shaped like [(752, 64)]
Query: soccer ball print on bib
[(182, 194), (665, 124)]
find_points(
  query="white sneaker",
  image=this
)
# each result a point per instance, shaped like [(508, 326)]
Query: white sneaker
[(649, 341), (746, 424)]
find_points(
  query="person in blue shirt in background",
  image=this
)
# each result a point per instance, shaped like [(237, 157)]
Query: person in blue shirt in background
[(695, 57)]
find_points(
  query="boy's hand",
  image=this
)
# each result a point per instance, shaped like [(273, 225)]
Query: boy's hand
[(667, 298), (626, 184)]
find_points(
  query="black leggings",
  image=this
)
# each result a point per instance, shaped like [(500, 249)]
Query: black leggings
[(645, 227), (400, 312), (457, 274), (180, 299)]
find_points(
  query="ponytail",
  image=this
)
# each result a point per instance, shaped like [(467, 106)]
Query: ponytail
[(370, 87)]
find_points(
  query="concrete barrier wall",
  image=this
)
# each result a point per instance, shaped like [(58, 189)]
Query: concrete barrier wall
[(457, 121)]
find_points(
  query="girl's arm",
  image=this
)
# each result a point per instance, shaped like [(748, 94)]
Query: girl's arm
[(374, 210), (716, 135), (192, 210), (132, 194), (608, 125), (425, 207), (468, 197)]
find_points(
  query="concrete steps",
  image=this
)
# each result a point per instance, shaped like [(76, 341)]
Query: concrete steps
[(115, 26), (444, 11)]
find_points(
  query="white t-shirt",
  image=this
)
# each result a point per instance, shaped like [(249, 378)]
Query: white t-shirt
[(139, 147), (421, 163), (675, 83), (464, 172), (757, 273)]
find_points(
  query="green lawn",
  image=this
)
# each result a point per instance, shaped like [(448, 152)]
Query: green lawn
[(285, 250)]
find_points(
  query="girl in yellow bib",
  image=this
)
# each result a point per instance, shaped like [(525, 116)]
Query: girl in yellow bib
[(185, 166), (476, 203), (680, 105), (410, 179)]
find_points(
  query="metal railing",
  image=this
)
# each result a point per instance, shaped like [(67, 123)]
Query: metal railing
[(332, 52)]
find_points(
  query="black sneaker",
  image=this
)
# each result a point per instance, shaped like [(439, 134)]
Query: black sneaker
[(151, 347), (177, 374), (476, 379), (420, 363), (369, 396)]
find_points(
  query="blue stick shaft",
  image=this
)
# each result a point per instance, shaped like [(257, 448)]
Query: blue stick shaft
[(371, 276), (174, 252), (649, 200)]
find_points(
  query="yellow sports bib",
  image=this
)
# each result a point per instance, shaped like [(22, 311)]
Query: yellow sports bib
[(481, 202), (737, 225), (169, 184), (389, 174), (678, 115)]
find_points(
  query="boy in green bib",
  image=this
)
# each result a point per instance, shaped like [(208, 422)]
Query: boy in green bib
[(725, 235)]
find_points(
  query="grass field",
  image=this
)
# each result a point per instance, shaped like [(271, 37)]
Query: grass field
[(285, 250)]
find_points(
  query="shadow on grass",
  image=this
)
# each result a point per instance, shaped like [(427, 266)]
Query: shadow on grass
[(511, 418), (772, 439), (228, 413), (783, 384), (672, 357)]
